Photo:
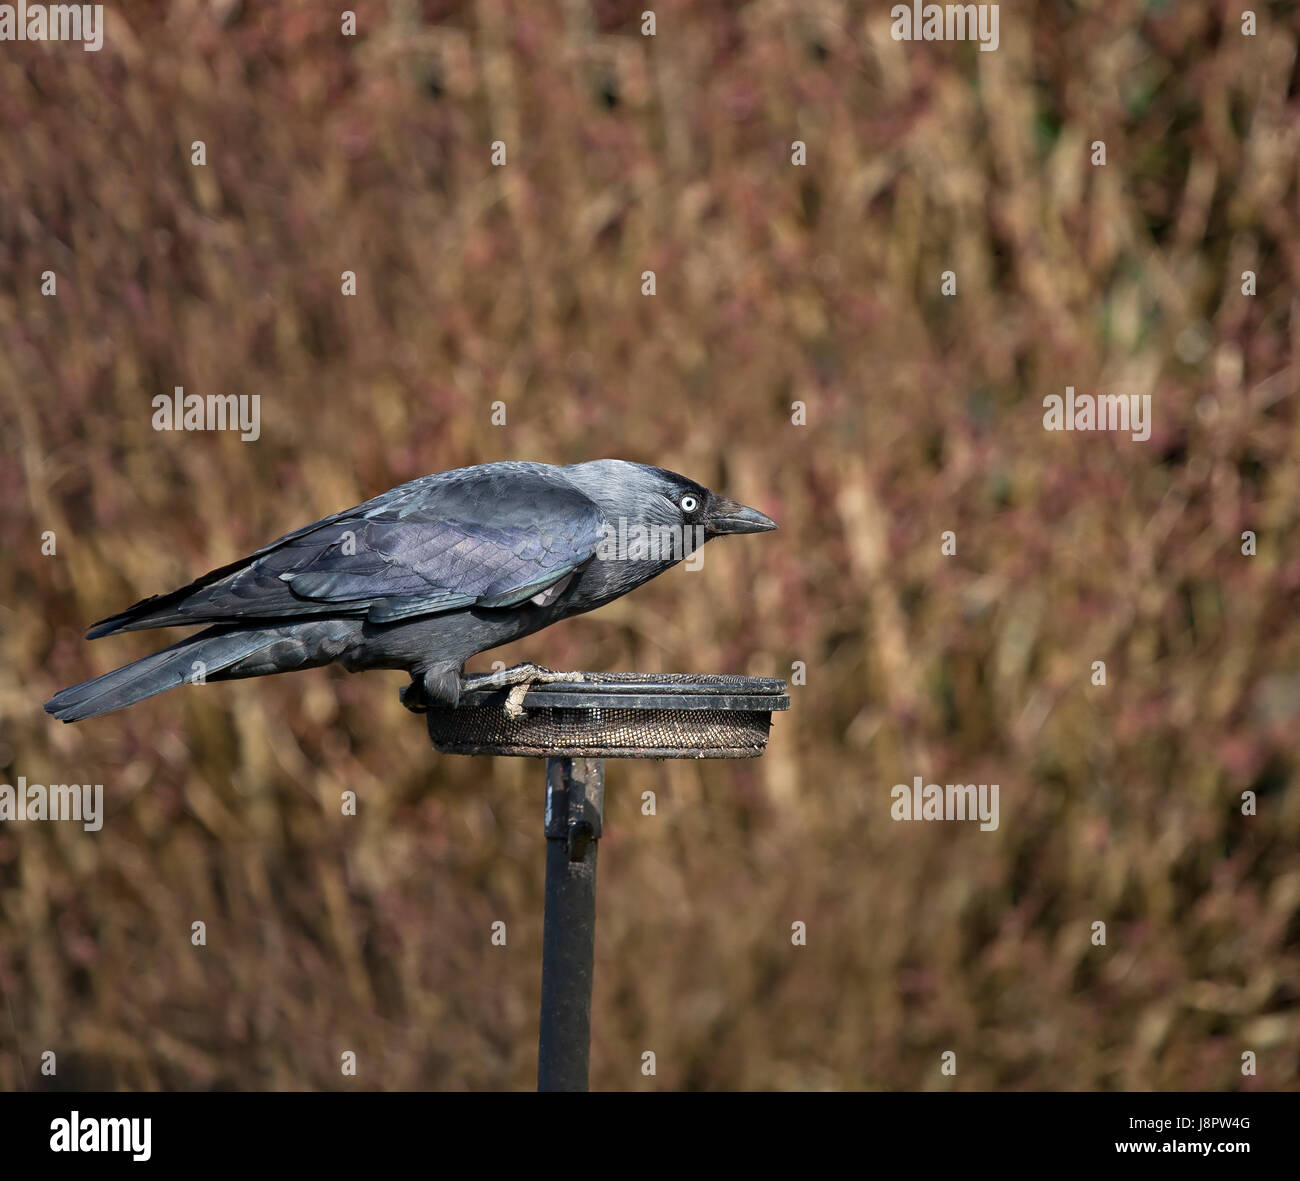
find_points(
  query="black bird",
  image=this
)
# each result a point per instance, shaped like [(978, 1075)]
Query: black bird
[(422, 578)]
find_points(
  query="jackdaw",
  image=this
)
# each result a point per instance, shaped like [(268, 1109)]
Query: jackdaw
[(422, 578)]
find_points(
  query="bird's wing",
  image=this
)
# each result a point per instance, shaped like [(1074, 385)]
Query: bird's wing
[(492, 536)]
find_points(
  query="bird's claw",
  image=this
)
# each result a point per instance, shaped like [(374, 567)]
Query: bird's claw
[(514, 705), (519, 680)]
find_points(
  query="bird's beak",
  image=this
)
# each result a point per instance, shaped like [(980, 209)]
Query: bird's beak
[(727, 516)]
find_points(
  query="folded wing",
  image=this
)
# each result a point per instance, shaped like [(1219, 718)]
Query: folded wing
[(492, 536)]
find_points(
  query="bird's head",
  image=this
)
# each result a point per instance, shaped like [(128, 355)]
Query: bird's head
[(654, 519), (636, 493)]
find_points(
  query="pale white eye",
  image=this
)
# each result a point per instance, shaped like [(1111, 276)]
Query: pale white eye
[(689, 504)]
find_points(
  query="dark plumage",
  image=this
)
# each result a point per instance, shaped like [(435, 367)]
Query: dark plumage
[(421, 578)]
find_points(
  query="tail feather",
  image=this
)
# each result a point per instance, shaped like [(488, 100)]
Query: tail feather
[(218, 648)]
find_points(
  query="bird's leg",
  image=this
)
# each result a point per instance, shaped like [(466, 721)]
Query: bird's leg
[(518, 680), (438, 685)]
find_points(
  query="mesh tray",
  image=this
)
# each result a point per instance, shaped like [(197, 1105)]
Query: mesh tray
[(617, 715)]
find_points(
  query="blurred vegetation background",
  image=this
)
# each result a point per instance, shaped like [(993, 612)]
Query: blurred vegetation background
[(776, 284)]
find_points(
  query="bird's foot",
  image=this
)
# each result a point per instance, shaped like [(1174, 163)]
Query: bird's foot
[(414, 697), (518, 680)]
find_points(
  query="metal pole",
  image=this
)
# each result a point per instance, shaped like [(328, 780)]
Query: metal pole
[(575, 801)]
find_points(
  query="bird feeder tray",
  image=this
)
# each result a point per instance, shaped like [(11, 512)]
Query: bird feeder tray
[(616, 716)]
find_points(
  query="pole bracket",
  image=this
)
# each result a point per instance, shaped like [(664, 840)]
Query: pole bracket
[(575, 806)]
